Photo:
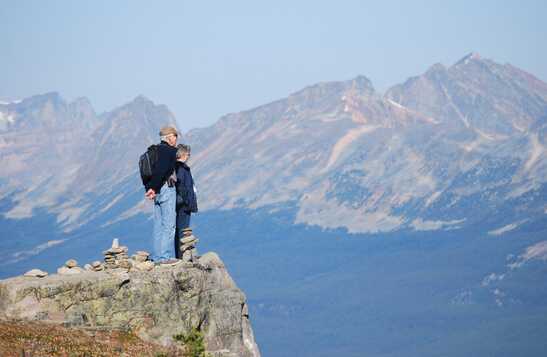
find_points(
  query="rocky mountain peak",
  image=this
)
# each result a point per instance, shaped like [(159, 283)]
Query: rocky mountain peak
[(473, 56), (437, 67), (362, 84), (141, 112), (82, 110), (41, 99), (325, 90), (142, 99)]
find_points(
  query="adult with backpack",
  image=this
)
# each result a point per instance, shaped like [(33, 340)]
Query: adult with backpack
[(157, 166)]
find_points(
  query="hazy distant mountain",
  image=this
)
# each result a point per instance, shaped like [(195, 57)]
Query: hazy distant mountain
[(455, 146), (451, 162), (66, 159)]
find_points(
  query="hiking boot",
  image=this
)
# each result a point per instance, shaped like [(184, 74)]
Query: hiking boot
[(169, 262)]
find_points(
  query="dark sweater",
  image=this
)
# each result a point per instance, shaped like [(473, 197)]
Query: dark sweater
[(164, 166), (186, 196)]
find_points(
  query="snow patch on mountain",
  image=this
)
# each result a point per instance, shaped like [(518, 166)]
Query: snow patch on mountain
[(6, 119), (17, 256), (492, 278), (142, 207), (69, 217), (505, 229), (432, 198), (316, 209), (21, 210), (17, 101), (421, 225), (111, 203), (536, 151), (537, 251)]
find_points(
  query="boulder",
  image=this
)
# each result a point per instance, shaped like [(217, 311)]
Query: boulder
[(96, 264), (71, 263), (69, 271), (36, 273)]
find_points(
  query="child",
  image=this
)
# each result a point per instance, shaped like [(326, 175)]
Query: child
[(186, 194)]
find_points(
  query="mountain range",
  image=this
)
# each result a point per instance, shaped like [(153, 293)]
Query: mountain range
[(456, 146), (457, 152)]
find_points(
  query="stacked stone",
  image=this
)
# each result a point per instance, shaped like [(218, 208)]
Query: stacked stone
[(141, 256), (95, 266), (188, 246), (141, 261), (116, 257), (70, 267)]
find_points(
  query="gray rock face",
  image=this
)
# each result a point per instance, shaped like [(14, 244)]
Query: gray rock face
[(156, 304)]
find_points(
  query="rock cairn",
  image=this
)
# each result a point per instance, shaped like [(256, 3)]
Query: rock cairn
[(116, 256), (95, 266), (141, 261), (188, 246), (70, 267)]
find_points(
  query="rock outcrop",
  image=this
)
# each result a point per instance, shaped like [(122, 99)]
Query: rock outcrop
[(155, 304)]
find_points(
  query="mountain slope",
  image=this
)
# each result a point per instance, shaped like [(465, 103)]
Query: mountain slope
[(454, 147), (451, 147)]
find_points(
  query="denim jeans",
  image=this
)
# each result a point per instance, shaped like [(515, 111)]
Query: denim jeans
[(183, 221), (164, 223)]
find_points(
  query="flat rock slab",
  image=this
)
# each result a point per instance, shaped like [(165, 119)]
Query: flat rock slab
[(36, 273), (69, 271)]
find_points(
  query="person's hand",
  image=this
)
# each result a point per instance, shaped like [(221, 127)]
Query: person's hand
[(150, 194)]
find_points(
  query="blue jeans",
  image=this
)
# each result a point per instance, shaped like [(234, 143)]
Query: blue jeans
[(164, 223)]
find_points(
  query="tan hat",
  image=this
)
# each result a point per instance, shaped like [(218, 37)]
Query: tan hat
[(167, 130)]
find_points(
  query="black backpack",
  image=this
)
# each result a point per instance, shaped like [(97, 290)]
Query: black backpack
[(147, 161)]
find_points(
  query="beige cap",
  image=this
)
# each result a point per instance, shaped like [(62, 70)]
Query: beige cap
[(167, 130)]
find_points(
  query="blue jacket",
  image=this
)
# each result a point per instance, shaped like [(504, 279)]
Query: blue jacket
[(186, 196)]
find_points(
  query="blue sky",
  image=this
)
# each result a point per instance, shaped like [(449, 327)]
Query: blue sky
[(205, 59)]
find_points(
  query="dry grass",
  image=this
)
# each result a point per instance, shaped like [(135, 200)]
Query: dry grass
[(32, 339)]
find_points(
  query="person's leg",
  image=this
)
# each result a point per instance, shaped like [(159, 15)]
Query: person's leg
[(177, 240), (156, 237), (183, 221), (164, 224), (169, 222)]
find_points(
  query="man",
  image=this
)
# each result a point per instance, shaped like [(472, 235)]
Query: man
[(161, 189)]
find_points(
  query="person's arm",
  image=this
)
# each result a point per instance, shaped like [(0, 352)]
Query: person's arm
[(150, 194)]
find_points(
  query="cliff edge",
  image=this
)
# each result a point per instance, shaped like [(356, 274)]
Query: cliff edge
[(155, 304)]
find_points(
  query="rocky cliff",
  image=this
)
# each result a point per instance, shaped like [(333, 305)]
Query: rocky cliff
[(155, 304)]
